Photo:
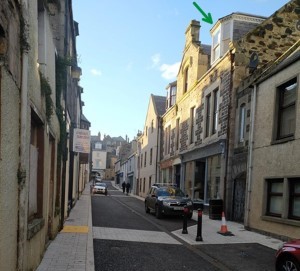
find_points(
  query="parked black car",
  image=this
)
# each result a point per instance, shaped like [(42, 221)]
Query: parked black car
[(167, 200)]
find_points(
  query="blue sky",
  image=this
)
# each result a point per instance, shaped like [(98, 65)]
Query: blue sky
[(130, 49)]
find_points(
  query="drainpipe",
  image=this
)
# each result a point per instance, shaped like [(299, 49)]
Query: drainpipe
[(157, 149), (182, 174), (250, 160), (227, 152), (23, 162)]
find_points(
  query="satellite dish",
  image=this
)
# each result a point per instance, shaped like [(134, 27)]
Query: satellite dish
[(253, 61)]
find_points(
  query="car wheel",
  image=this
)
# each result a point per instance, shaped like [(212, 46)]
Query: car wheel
[(147, 210), (158, 213), (288, 264), (190, 215)]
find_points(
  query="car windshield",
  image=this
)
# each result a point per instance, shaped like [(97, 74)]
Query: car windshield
[(101, 184), (170, 191)]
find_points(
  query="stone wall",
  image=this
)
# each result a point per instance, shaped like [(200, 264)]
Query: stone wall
[(271, 38)]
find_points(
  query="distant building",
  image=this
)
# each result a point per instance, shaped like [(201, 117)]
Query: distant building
[(103, 154), (149, 145)]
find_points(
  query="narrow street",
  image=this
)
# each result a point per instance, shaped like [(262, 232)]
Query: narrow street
[(126, 238)]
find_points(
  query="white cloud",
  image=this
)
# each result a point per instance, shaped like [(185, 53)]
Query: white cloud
[(169, 72), (96, 72), (155, 60)]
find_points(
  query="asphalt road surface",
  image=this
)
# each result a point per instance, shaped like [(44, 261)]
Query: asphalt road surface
[(126, 238)]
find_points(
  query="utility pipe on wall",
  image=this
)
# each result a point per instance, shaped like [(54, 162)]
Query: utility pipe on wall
[(24, 155), (250, 159)]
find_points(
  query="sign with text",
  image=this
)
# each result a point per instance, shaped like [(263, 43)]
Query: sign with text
[(81, 141)]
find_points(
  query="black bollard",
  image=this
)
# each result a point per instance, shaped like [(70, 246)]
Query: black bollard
[(199, 226), (185, 214)]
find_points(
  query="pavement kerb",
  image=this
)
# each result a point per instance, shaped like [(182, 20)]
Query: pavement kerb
[(90, 262), (211, 227)]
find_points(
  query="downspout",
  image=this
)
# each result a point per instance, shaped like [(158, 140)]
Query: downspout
[(182, 174), (23, 162), (227, 147), (157, 148), (65, 154), (250, 159)]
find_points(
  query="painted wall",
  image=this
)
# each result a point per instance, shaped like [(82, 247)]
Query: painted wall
[(273, 160), (9, 162), (148, 141)]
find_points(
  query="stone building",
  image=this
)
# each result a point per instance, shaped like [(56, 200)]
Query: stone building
[(38, 65), (268, 103), (104, 154), (198, 151), (253, 53), (196, 126), (149, 146)]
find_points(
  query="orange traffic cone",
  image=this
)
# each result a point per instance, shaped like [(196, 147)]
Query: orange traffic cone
[(224, 230)]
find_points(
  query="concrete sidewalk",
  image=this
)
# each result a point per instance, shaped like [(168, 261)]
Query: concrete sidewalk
[(72, 249), (210, 235)]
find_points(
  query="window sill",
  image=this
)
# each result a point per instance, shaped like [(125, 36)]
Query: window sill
[(34, 226), (284, 140), (281, 220)]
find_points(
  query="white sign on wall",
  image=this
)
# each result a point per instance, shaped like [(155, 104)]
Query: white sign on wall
[(82, 141)]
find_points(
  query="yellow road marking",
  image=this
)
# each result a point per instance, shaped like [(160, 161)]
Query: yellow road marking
[(78, 229)]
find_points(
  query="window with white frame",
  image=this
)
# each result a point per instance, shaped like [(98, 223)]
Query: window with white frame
[(173, 95), (166, 141), (192, 124), (286, 109), (169, 139), (215, 111), (177, 133), (242, 122), (208, 116), (216, 45)]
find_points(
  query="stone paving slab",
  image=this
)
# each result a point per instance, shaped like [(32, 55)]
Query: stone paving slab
[(133, 235), (210, 234)]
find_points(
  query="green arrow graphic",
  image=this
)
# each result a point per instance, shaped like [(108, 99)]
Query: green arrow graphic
[(207, 17)]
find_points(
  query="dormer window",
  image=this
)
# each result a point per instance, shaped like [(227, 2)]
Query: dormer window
[(231, 28), (216, 45)]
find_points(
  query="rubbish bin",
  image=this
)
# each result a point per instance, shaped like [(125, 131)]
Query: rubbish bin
[(215, 209)]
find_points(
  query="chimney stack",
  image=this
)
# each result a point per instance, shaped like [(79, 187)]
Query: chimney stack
[(192, 32)]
